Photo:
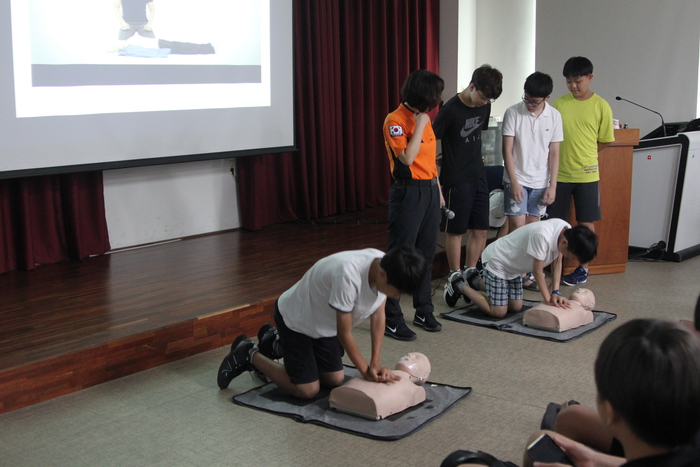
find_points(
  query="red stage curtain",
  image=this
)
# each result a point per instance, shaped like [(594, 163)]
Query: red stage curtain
[(51, 218), (351, 58)]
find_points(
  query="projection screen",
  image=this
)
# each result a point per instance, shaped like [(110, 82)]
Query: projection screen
[(99, 84)]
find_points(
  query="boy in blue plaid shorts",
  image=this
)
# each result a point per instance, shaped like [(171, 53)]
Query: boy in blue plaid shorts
[(529, 248)]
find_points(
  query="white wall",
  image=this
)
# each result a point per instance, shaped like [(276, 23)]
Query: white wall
[(643, 50), (450, 46), (152, 204), (500, 33), (505, 32)]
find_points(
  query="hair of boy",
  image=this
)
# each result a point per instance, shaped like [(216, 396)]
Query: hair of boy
[(647, 370), (422, 90), (488, 81), (405, 268), (538, 84), (582, 242), (577, 66), (697, 315)]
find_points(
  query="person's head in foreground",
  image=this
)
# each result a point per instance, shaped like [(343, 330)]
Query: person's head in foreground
[(648, 378)]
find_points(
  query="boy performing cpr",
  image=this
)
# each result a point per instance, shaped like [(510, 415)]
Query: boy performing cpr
[(530, 248), (315, 318)]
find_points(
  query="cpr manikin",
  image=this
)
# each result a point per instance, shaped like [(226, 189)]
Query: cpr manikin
[(552, 318), (373, 400)]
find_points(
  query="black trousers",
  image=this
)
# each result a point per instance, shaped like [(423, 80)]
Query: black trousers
[(414, 219)]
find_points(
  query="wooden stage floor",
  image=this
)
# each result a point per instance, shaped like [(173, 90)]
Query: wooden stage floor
[(67, 326)]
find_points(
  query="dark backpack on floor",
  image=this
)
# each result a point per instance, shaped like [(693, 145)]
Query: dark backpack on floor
[(464, 457)]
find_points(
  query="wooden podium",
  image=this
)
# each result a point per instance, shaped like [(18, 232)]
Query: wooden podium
[(615, 166)]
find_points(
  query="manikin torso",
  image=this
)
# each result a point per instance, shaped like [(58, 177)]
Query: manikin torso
[(373, 400), (552, 318)]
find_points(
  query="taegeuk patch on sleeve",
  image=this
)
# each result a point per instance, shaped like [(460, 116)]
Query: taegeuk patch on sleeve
[(395, 130)]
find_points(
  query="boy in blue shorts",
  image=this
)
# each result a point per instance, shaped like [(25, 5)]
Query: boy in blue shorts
[(458, 126), (315, 318), (530, 248), (532, 132), (588, 129)]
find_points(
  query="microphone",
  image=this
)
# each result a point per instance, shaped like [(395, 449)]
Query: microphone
[(663, 124), (448, 214)]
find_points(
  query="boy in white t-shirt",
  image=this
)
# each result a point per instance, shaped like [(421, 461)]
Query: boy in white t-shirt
[(530, 248), (315, 318)]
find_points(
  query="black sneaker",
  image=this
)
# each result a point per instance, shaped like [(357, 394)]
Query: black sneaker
[(427, 322), (550, 414), (400, 332), (471, 277), (236, 362), (269, 342), (451, 293)]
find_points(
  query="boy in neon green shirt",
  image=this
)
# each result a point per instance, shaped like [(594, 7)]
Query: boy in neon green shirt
[(588, 129)]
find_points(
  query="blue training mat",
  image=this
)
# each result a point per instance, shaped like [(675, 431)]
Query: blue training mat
[(272, 399)]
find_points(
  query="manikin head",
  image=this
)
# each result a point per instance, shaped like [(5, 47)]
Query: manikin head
[(415, 364), (585, 297)]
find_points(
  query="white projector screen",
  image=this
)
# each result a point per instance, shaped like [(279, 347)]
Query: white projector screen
[(100, 84)]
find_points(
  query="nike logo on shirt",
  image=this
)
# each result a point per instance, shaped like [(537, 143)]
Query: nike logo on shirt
[(470, 126)]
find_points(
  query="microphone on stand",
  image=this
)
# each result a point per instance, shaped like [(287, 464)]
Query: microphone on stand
[(663, 124), (448, 214)]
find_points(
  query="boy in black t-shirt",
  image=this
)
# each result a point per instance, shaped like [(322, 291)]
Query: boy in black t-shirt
[(458, 126)]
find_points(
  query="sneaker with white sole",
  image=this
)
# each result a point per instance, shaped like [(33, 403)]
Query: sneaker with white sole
[(451, 294), (427, 322), (577, 276), (236, 362), (400, 332), (269, 342), (472, 277)]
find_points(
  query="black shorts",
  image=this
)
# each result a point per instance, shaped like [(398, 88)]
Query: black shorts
[(586, 202), (305, 358), (470, 203)]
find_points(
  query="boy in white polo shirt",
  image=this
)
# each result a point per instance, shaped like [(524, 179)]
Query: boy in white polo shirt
[(532, 131)]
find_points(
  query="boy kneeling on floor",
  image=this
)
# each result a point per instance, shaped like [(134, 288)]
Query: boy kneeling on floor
[(315, 318), (530, 248)]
